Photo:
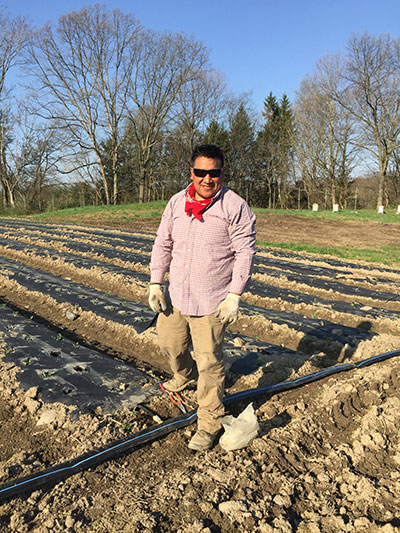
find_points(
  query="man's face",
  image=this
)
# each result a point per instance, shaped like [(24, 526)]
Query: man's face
[(206, 187)]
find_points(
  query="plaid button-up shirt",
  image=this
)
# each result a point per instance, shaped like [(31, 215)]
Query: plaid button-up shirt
[(207, 258)]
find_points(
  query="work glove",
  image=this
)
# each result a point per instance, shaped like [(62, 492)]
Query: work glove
[(157, 300), (228, 309)]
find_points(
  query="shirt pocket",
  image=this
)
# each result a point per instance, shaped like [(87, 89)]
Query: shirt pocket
[(180, 228), (214, 231)]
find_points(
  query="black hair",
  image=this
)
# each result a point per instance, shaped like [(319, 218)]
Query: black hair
[(208, 150)]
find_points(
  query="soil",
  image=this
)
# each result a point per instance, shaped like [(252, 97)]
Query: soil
[(319, 232), (327, 455)]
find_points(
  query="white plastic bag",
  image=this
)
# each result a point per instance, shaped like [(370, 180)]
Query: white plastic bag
[(240, 431)]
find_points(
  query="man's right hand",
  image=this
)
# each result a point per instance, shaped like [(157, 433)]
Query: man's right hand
[(157, 301)]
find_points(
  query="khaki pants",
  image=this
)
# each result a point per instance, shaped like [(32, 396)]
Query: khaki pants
[(207, 335)]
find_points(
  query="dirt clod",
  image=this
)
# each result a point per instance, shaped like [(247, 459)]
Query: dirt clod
[(327, 457)]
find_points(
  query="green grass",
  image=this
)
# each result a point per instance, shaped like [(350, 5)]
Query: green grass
[(126, 212), (388, 255), (364, 215)]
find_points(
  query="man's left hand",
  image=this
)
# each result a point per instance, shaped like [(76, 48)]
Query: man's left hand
[(228, 309)]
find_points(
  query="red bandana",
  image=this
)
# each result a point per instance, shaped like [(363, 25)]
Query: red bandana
[(195, 207)]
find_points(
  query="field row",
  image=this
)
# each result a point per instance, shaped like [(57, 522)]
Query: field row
[(299, 312)]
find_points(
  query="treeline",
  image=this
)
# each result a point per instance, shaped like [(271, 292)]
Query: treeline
[(107, 111)]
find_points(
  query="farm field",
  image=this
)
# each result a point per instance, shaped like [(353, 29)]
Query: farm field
[(76, 364)]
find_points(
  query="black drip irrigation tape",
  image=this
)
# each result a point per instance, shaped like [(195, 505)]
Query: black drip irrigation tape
[(59, 472)]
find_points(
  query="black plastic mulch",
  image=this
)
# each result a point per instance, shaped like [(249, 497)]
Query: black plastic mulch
[(67, 371), (295, 297), (340, 263), (311, 270), (335, 286), (110, 253), (255, 287), (128, 239), (107, 306), (76, 260), (107, 309), (262, 264), (127, 312), (64, 237), (321, 329)]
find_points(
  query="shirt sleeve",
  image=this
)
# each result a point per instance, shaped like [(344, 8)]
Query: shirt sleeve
[(243, 238), (162, 249)]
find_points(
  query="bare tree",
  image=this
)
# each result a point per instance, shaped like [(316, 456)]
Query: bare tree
[(168, 63), (371, 93), (197, 102), (89, 175), (13, 38), (32, 153), (6, 178), (83, 70), (324, 133), (201, 99), (43, 163), (14, 34)]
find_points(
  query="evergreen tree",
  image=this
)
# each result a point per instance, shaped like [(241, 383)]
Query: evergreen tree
[(275, 148), (217, 134), (241, 152)]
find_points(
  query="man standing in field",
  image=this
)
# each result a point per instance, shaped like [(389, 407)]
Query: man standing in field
[(206, 237)]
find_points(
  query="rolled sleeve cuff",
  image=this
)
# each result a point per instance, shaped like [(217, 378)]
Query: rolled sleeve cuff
[(157, 276), (237, 288)]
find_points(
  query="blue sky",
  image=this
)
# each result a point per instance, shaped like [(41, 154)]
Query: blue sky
[(260, 45)]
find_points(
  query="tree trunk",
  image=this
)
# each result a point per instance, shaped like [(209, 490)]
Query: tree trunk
[(381, 186), (142, 186), (333, 192), (115, 175), (104, 178), (10, 196)]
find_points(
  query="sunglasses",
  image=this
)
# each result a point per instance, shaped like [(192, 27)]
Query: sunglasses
[(202, 173)]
